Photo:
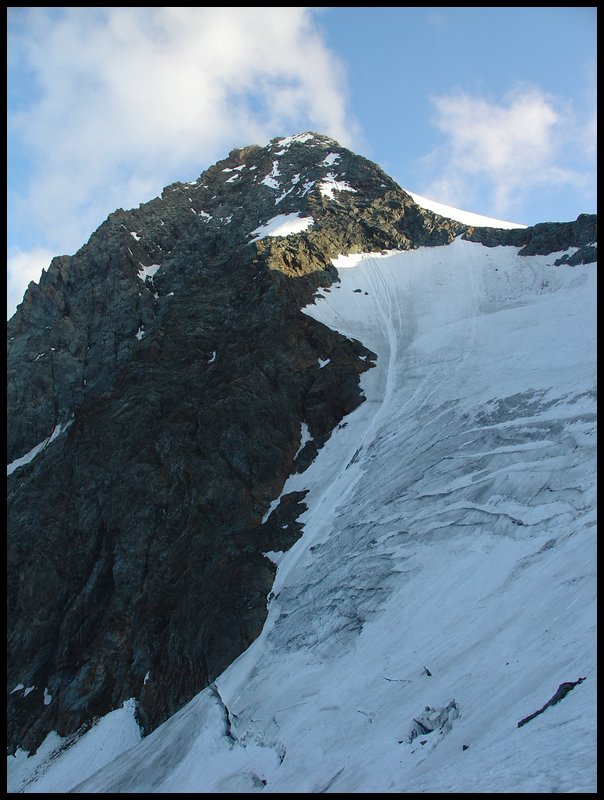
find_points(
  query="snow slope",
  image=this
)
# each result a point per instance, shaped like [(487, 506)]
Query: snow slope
[(467, 217), (448, 555)]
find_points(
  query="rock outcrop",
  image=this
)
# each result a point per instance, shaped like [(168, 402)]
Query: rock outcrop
[(545, 238)]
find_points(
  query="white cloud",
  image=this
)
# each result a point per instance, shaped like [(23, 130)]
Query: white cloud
[(512, 147), (131, 99)]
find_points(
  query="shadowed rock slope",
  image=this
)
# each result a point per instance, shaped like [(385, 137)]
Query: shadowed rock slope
[(170, 371)]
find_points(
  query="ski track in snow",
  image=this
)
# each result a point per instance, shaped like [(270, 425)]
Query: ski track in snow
[(450, 529)]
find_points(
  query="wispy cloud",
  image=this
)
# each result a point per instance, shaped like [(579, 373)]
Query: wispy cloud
[(129, 99), (505, 150)]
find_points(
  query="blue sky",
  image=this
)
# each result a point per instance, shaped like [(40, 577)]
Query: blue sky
[(491, 110)]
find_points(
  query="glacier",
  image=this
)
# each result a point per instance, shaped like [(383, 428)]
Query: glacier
[(445, 582)]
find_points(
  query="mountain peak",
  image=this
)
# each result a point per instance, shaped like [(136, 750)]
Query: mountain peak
[(168, 381), (171, 349), (305, 137)]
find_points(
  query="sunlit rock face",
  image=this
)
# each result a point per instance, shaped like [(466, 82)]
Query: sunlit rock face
[(163, 385)]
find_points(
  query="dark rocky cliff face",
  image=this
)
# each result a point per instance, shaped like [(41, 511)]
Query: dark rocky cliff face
[(545, 238), (172, 352)]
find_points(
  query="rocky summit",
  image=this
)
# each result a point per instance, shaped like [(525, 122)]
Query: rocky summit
[(163, 383)]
